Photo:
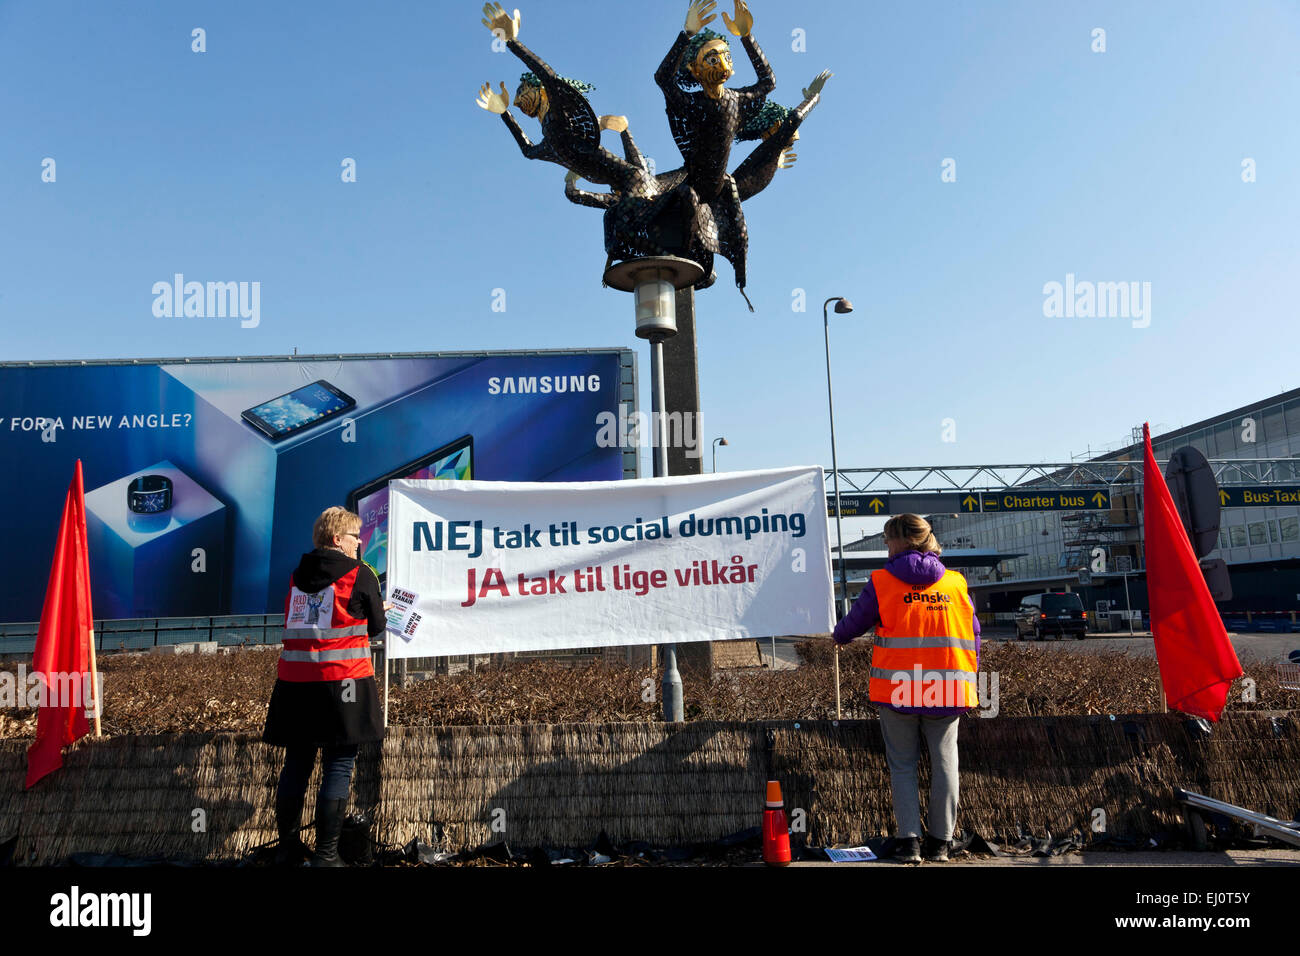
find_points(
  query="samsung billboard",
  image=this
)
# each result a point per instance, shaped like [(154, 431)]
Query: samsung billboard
[(203, 476)]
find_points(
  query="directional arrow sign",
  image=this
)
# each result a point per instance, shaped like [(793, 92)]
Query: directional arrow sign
[(1258, 496), (859, 506), (1045, 499), (923, 502)]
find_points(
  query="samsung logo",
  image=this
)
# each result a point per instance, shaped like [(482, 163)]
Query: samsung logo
[(542, 384)]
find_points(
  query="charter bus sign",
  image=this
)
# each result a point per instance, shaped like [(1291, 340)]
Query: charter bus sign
[(482, 567)]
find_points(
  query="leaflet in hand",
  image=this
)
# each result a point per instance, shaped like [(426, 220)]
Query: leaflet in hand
[(403, 619)]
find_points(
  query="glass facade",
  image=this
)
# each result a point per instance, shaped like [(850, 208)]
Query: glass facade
[(1056, 545)]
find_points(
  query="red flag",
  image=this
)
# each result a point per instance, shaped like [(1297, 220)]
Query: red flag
[(1197, 662), (63, 640)]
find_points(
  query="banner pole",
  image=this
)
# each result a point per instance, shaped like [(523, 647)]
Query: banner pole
[(837, 682), (671, 685), (94, 681), (385, 652)]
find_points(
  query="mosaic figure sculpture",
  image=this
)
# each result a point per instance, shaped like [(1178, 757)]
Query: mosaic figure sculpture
[(692, 212), (778, 128), (570, 129)]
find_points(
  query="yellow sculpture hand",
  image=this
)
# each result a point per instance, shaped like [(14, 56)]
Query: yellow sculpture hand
[(496, 19), (493, 102), (699, 15), (815, 87), (787, 159), (617, 123), (744, 21)]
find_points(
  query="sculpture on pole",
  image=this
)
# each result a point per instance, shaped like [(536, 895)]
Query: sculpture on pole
[(692, 212)]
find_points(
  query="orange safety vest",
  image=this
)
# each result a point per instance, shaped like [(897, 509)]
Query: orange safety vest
[(924, 654), (322, 641)]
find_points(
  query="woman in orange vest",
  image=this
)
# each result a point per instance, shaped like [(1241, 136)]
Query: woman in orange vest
[(923, 675), (325, 695)]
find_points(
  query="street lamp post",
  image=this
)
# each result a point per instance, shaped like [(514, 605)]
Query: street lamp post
[(654, 281), (716, 443), (842, 306)]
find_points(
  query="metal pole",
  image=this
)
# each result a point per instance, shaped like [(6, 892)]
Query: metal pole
[(384, 653), (1128, 608), (835, 470), (674, 710), (94, 683), (837, 682), (657, 405)]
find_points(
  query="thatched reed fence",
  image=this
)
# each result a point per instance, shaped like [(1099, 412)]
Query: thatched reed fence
[(561, 785)]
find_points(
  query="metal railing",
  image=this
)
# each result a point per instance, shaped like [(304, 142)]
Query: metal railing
[(142, 635), (1098, 473)]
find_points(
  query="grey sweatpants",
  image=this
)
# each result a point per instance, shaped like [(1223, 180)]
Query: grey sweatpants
[(902, 751)]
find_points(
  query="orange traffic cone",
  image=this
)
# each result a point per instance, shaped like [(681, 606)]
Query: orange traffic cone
[(776, 830)]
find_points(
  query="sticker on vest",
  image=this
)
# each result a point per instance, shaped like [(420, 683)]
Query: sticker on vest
[(403, 619), (310, 610)]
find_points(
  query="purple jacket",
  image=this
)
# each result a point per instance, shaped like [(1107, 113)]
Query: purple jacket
[(911, 567)]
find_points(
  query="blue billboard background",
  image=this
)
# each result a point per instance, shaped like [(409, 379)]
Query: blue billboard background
[(254, 450)]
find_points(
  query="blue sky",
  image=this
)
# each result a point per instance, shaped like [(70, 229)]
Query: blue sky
[(1122, 166)]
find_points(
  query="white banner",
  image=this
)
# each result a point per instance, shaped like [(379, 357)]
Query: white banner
[(489, 566)]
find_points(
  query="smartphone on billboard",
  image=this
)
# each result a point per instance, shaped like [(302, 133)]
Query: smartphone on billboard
[(370, 501), (294, 411)]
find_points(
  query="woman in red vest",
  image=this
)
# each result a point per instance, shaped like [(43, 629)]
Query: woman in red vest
[(325, 695), (923, 675)]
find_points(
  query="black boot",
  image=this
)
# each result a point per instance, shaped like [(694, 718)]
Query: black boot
[(907, 850), (329, 824), (290, 851), (936, 851)]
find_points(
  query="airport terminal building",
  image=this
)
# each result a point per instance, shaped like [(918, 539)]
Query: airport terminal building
[(1058, 550)]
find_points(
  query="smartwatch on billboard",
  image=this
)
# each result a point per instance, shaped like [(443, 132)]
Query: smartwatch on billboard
[(149, 494)]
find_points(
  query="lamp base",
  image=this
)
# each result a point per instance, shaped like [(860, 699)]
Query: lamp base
[(655, 281), (680, 272)]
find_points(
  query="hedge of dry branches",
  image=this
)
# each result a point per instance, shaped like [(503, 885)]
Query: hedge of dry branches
[(147, 694)]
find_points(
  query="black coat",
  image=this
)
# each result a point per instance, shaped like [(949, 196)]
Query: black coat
[(315, 712)]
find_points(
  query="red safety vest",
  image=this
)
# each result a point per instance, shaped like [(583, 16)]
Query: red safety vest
[(322, 641), (924, 654)]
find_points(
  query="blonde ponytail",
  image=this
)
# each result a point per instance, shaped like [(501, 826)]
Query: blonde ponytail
[(915, 533)]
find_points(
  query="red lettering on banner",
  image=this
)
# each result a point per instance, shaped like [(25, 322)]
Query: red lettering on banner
[(489, 584), (704, 572)]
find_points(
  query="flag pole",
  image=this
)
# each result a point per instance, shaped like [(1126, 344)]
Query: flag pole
[(83, 541), (94, 681)]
